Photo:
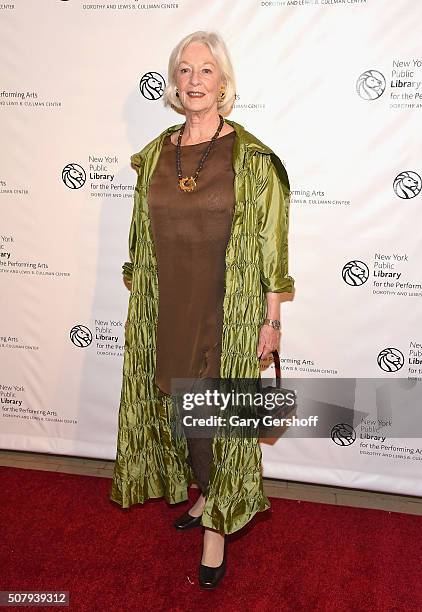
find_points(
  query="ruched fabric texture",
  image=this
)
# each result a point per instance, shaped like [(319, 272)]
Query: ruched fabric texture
[(151, 460)]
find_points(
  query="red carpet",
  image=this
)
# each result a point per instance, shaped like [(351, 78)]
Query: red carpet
[(61, 531)]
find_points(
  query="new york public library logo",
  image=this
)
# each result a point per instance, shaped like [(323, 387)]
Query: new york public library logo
[(152, 85), (407, 184), (390, 359), (355, 273), (343, 434), (370, 85), (73, 176), (81, 336)]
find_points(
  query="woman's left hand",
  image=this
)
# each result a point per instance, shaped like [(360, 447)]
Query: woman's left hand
[(269, 341)]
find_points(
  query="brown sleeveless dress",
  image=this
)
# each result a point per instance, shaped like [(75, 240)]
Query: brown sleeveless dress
[(191, 231)]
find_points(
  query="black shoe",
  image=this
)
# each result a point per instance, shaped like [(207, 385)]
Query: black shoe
[(209, 577), (187, 521)]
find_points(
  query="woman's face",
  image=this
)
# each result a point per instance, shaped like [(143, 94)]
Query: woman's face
[(198, 72)]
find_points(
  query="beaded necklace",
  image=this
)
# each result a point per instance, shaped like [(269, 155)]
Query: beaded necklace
[(188, 183)]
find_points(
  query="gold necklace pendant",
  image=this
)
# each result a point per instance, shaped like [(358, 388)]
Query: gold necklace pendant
[(187, 183)]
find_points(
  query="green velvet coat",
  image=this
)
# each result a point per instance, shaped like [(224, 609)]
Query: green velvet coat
[(150, 461)]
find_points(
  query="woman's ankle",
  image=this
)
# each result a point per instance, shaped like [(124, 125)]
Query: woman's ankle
[(213, 548), (198, 506)]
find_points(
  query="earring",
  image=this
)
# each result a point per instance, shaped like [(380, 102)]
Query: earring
[(177, 92), (222, 92)]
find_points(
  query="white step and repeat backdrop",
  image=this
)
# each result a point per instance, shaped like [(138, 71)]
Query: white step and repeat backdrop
[(333, 86)]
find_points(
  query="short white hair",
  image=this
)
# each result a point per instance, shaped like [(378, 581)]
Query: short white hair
[(218, 49)]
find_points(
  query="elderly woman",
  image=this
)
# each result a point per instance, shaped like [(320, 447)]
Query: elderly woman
[(209, 259)]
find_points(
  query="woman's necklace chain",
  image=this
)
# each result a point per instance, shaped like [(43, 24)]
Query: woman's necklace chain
[(188, 183)]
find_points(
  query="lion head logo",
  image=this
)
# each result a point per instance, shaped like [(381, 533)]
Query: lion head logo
[(370, 85), (81, 336), (390, 359), (407, 185), (152, 85), (73, 176), (343, 434), (355, 273)]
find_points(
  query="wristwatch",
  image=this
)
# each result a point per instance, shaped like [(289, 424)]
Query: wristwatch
[(274, 323)]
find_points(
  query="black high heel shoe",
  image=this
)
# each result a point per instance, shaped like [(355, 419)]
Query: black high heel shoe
[(210, 577), (187, 521)]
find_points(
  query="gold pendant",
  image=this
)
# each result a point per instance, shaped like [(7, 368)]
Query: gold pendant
[(187, 183)]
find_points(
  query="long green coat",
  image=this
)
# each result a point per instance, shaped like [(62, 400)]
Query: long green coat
[(150, 461)]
